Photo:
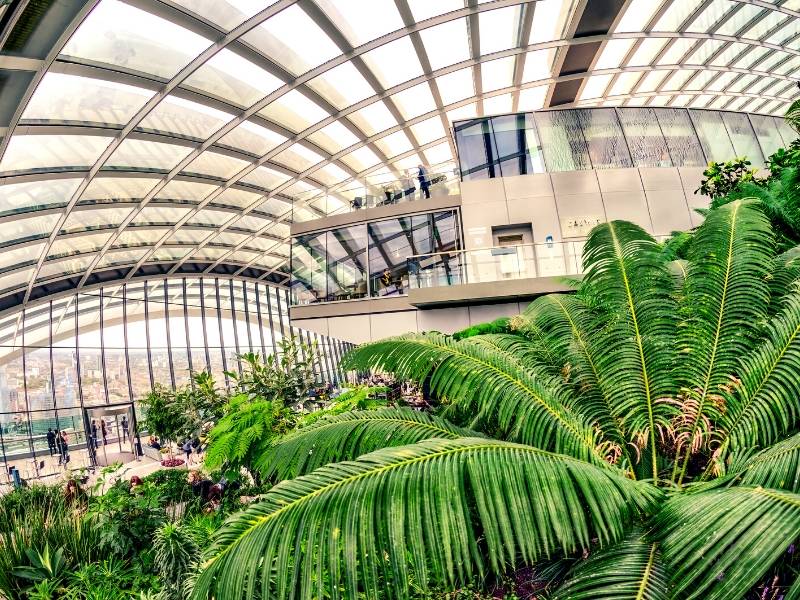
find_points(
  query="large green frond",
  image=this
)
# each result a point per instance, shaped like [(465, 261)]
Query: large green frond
[(630, 570), (488, 386), (763, 405), (626, 271), (720, 543), (432, 509), (784, 277), (792, 116), (776, 467), (725, 299), (348, 436)]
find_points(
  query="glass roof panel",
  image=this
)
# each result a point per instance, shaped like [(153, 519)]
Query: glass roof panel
[(232, 77), (334, 137), (710, 16), (118, 188), (225, 13), (497, 74), (278, 37), (739, 18), (30, 225), (361, 21), (394, 63), (52, 151), (497, 105), (330, 174), (637, 15), (144, 154), (80, 220), (79, 244), (216, 165), (11, 257), (456, 86), (414, 101), (675, 15), (595, 86), (275, 206), (189, 236), (428, 130), (61, 97), (394, 144), (184, 117), (297, 157), (532, 98), (647, 51), (294, 111), (342, 86), (28, 195), (625, 83), (210, 217), (238, 198), (265, 177), (120, 34), (613, 53), (361, 159), (439, 154), (550, 17), (499, 28), (446, 44), (253, 138), (704, 51), (65, 266), (375, 117), (140, 236), (772, 20), (121, 257), (538, 65), (676, 51), (178, 189), (425, 9), (165, 254), (155, 214)]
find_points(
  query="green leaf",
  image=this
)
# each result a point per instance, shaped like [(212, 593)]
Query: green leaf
[(486, 384), (426, 509), (776, 467), (349, 435), (630, 570), (720, 543)]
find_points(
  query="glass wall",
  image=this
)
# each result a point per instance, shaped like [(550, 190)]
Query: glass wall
[(606, 138), (109, 346), (368, 259)]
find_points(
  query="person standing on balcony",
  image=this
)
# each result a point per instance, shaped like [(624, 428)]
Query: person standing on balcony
[(424, 183), (51, 441)]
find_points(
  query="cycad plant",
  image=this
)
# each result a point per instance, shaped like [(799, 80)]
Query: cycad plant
[(638, 431)]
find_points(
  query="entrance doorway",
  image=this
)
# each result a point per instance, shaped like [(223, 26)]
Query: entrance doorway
[(111, 434)]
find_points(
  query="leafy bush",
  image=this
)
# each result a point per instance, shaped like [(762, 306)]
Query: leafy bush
[(176, 553)]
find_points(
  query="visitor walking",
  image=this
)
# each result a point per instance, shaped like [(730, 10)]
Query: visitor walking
[(125, 427), (64, 448), (93, 432), (187, 449), (424, 183), (51, 441), (103, 431)]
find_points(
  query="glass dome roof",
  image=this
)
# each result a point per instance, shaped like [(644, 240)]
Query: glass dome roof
[(181, 132)]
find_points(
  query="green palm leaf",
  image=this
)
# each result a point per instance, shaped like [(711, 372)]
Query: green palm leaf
[(720, 543), (626, 272), (763, 404), (792, 116), (429, 508), (349, 435), (776, 467), (490, 387), (725, 298), (630, 570)]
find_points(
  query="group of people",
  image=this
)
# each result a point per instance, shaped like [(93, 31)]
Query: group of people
[(58, 443)]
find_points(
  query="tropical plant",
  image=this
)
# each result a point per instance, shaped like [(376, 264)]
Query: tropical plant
[(722, 178), (792, 116), (165, 413), (176, 553), (634, 422), (44, 564)]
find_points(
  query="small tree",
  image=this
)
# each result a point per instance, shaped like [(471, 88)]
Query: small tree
[(165, 413)]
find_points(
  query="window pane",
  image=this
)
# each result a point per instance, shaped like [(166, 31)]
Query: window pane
[(607, 148), (645, 140), (346, 262), (391, 243), (308, 269), (713, 137), (743, 137), (684, 148), (562, 141), (768, 136), (475, 149)]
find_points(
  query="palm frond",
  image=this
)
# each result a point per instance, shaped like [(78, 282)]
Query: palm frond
[(762, 405), (630, 570), (784, 277), (431, 509), (725, 298), (719, 543), (776, 467), (792, 116), (626, 271), (348, 436), (489, 387)]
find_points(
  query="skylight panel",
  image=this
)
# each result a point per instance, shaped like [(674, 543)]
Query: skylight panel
[(681, 100), (676, 51), (438, 154), (497, 105), (676, 14), (647, 51), (331, 174), (143, 154), (409, 162), (456, 86), (30, 225), (294, 111), (11, 257), (700, 80), (636, 101), (538, 65), (742, 83), (165, 254), (140, 237), (739, 18), (532, 98), (252, 138), (730, 54), (428, 130), (210, 217), (789, 67), (595, 86), (625, 83), (704, 51), (765, 24), (342, 86), (394, 63), (394, 144), (750, 59), (637, 16), (446, 44), (713, 13), (216, 165), (118, 188), (65, 266), (361, 159), (498, 29), (189, 236), (414, 101), (118, 34), (549, 19), (678, 79), (660, 100), (297, 157), (652, 80), (121, 257), (613, 54), (361, 21), (35, 194), (374, 117), (60, 97), (184, 117), (425, 9), (468, 111), (233, 78), (81, 220), (235, 197), (497, 74), (278, 38), (178, 189), (265, 178), (225, 13), (721, 82), (334, 137), (154, 214), (52, 151)]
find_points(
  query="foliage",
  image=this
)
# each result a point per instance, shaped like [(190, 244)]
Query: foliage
[(165, 413), (497, 326), (361, 397), (284, 379), (171, 484), (792, 116), (44, 564), (722, 178), (176, 551), (784, 158), (629, 429)]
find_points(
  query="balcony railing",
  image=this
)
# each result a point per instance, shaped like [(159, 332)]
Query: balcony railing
[(371, 193), (499, 263)]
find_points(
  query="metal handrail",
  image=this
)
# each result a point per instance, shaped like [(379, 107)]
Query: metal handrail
[(484, 249)]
